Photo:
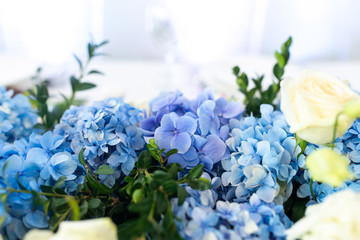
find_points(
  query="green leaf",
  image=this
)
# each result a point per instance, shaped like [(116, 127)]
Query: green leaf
[(95, 72), (46, 207), (152, 142), (199, 184), (78, 61), (251, 93), (105, 170), (161, 176), (74, 83), (102, 43), (85, 86), (170, 187), (60, 182), (96, 186), (280, 59), (133, 229), (181, 194), (195, 172), (143, 206), (144, 160), (94, 203), (236, 71), (171, 152), (278, 71), (82, 158), (84, 209), (173, 170), (160, 203), (37, 199), (90, 50)]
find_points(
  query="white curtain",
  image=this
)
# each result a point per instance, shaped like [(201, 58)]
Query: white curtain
[(49, 30)]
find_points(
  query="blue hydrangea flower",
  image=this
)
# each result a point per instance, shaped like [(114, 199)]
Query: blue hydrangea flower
[(200, 218), (41, 160), (197, 128), (108, 133), (262, 155), (175, 132), (17, 117)]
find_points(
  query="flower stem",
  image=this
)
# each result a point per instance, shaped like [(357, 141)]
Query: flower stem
[(335, 129), (12, 190), (62, 218)]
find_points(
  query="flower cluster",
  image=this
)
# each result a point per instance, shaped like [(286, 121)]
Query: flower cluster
[(197, 128), (27, 165), (108, 133), (203, 217), (17, 117), (263, 157), (348, 145)]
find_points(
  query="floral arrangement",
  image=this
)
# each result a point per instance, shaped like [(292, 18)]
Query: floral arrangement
[(203, 168)]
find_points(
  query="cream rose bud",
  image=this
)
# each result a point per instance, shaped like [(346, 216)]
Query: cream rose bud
[(311, 103), (335, 218), (94, 229)]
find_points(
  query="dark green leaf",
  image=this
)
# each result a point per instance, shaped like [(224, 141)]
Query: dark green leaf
[(133, 229), (37, 199), (144, 160), (94, 72), (97, 187), (170, 186), (78, 60), (251, 93), (236, 71), (195, 172), (85, 86), (74, 83), (102, 43), (171, 152), (105, 170), (161, 203), (161, 176), (173, 170), (199, 184), (142, 206), (181, 194), (60, 182), (94, 203), (81, 157), (278, 71), (84, 209)]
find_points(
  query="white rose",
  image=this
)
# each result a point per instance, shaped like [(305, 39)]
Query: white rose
[(311, 102), (94, 229), (335, 218)]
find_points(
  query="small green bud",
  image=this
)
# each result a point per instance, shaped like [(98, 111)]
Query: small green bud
[(352, 109), (138, 195)]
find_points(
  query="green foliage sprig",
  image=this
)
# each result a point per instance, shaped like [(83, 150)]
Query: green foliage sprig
[(140, 206), (151, 188), (50, 115), (256, 96)]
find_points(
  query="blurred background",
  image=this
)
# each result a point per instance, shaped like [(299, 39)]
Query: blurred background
[(157, 45)]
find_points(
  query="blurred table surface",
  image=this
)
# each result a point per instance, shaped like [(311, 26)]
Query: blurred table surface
[(138, 81)]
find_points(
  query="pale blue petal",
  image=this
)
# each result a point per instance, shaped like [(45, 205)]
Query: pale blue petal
[(181, 142), (186, 124)]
